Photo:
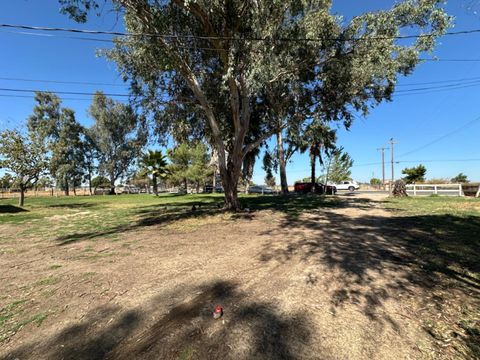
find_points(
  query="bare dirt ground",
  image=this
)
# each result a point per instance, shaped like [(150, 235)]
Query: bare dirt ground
[(342, 282)]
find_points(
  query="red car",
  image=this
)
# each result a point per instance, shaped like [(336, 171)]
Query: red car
[(304, 188)]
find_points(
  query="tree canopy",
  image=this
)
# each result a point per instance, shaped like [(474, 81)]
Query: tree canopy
[(460, 178), (339, 166), (62, 134), (414, 174), (154, 163), (203, 69), (24, 156), (189, 164), (118, 135)]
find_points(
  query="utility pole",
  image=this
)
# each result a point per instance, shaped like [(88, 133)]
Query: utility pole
[(382, 149), (392, 144)]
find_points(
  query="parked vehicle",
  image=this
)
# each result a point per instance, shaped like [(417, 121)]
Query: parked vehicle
[(347, 185), (306, 187), (208, 189), (260, 189), (178, 191)]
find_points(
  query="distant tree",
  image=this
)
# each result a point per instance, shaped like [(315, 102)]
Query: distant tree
[(270, 180), (6, 181), (25, 157), (460, 178), (118, 134), (247, 168), (90, 153), (318, 139), (44, 182), (154, 164), (180, 162), (199, 169), (269, 165), (339, 166), (375, 181), (100, 182), (60, 131), (189, 164), (140, 180), (414, 174)]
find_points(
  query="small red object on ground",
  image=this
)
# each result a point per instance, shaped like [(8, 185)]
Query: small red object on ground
[(218, 312)]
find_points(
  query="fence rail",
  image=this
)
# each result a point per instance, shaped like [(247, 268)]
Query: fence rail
[(434, 189)]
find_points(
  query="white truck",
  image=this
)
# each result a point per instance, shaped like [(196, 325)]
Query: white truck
[(347, 185)]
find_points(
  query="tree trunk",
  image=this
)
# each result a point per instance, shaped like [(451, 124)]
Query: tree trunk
[(21, 200), (326, 177), (230, 176), (90, 182), (74, 191), (312, 165), (155, 185), (112, 187), (282, 163), (185, 184), (67, 193), (198, 187)]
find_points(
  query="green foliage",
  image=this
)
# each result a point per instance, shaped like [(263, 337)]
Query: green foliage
[(269, 165), (24, 156), (154, 163), (100, 182), (270, 180), (414, 174), (118, 136), (339, 166), (460, 178), (58, 128), (189, 164), (375, 181), (6, 181)]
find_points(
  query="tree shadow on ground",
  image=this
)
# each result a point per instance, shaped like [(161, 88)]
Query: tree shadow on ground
[(11, 209), (294, 205), (185, 331), (372, 259), (161, 214), (73, 205)]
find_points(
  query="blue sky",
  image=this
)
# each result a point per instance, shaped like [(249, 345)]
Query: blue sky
[(414, 121)]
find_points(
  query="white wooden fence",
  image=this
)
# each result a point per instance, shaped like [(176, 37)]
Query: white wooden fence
[(434, 189)]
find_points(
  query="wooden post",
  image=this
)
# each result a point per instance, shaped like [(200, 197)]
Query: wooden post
[(478, 192), (414, 190), (435, 189)]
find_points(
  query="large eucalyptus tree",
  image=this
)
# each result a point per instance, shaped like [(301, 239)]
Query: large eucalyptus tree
[(216, 57)]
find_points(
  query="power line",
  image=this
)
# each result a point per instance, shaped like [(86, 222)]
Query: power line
[(451, 60), (441, 137), (61, 92), (174, 36), (32, 97), (456, 82), (437, 82), (411, 92), (61, 82), (397, 93), (421, 161), (464, 83)]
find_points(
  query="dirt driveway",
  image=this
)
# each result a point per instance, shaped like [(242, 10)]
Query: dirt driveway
[(342, 282)]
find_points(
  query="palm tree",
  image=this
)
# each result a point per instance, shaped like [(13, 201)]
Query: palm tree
[(154, 163), (318, 137)]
